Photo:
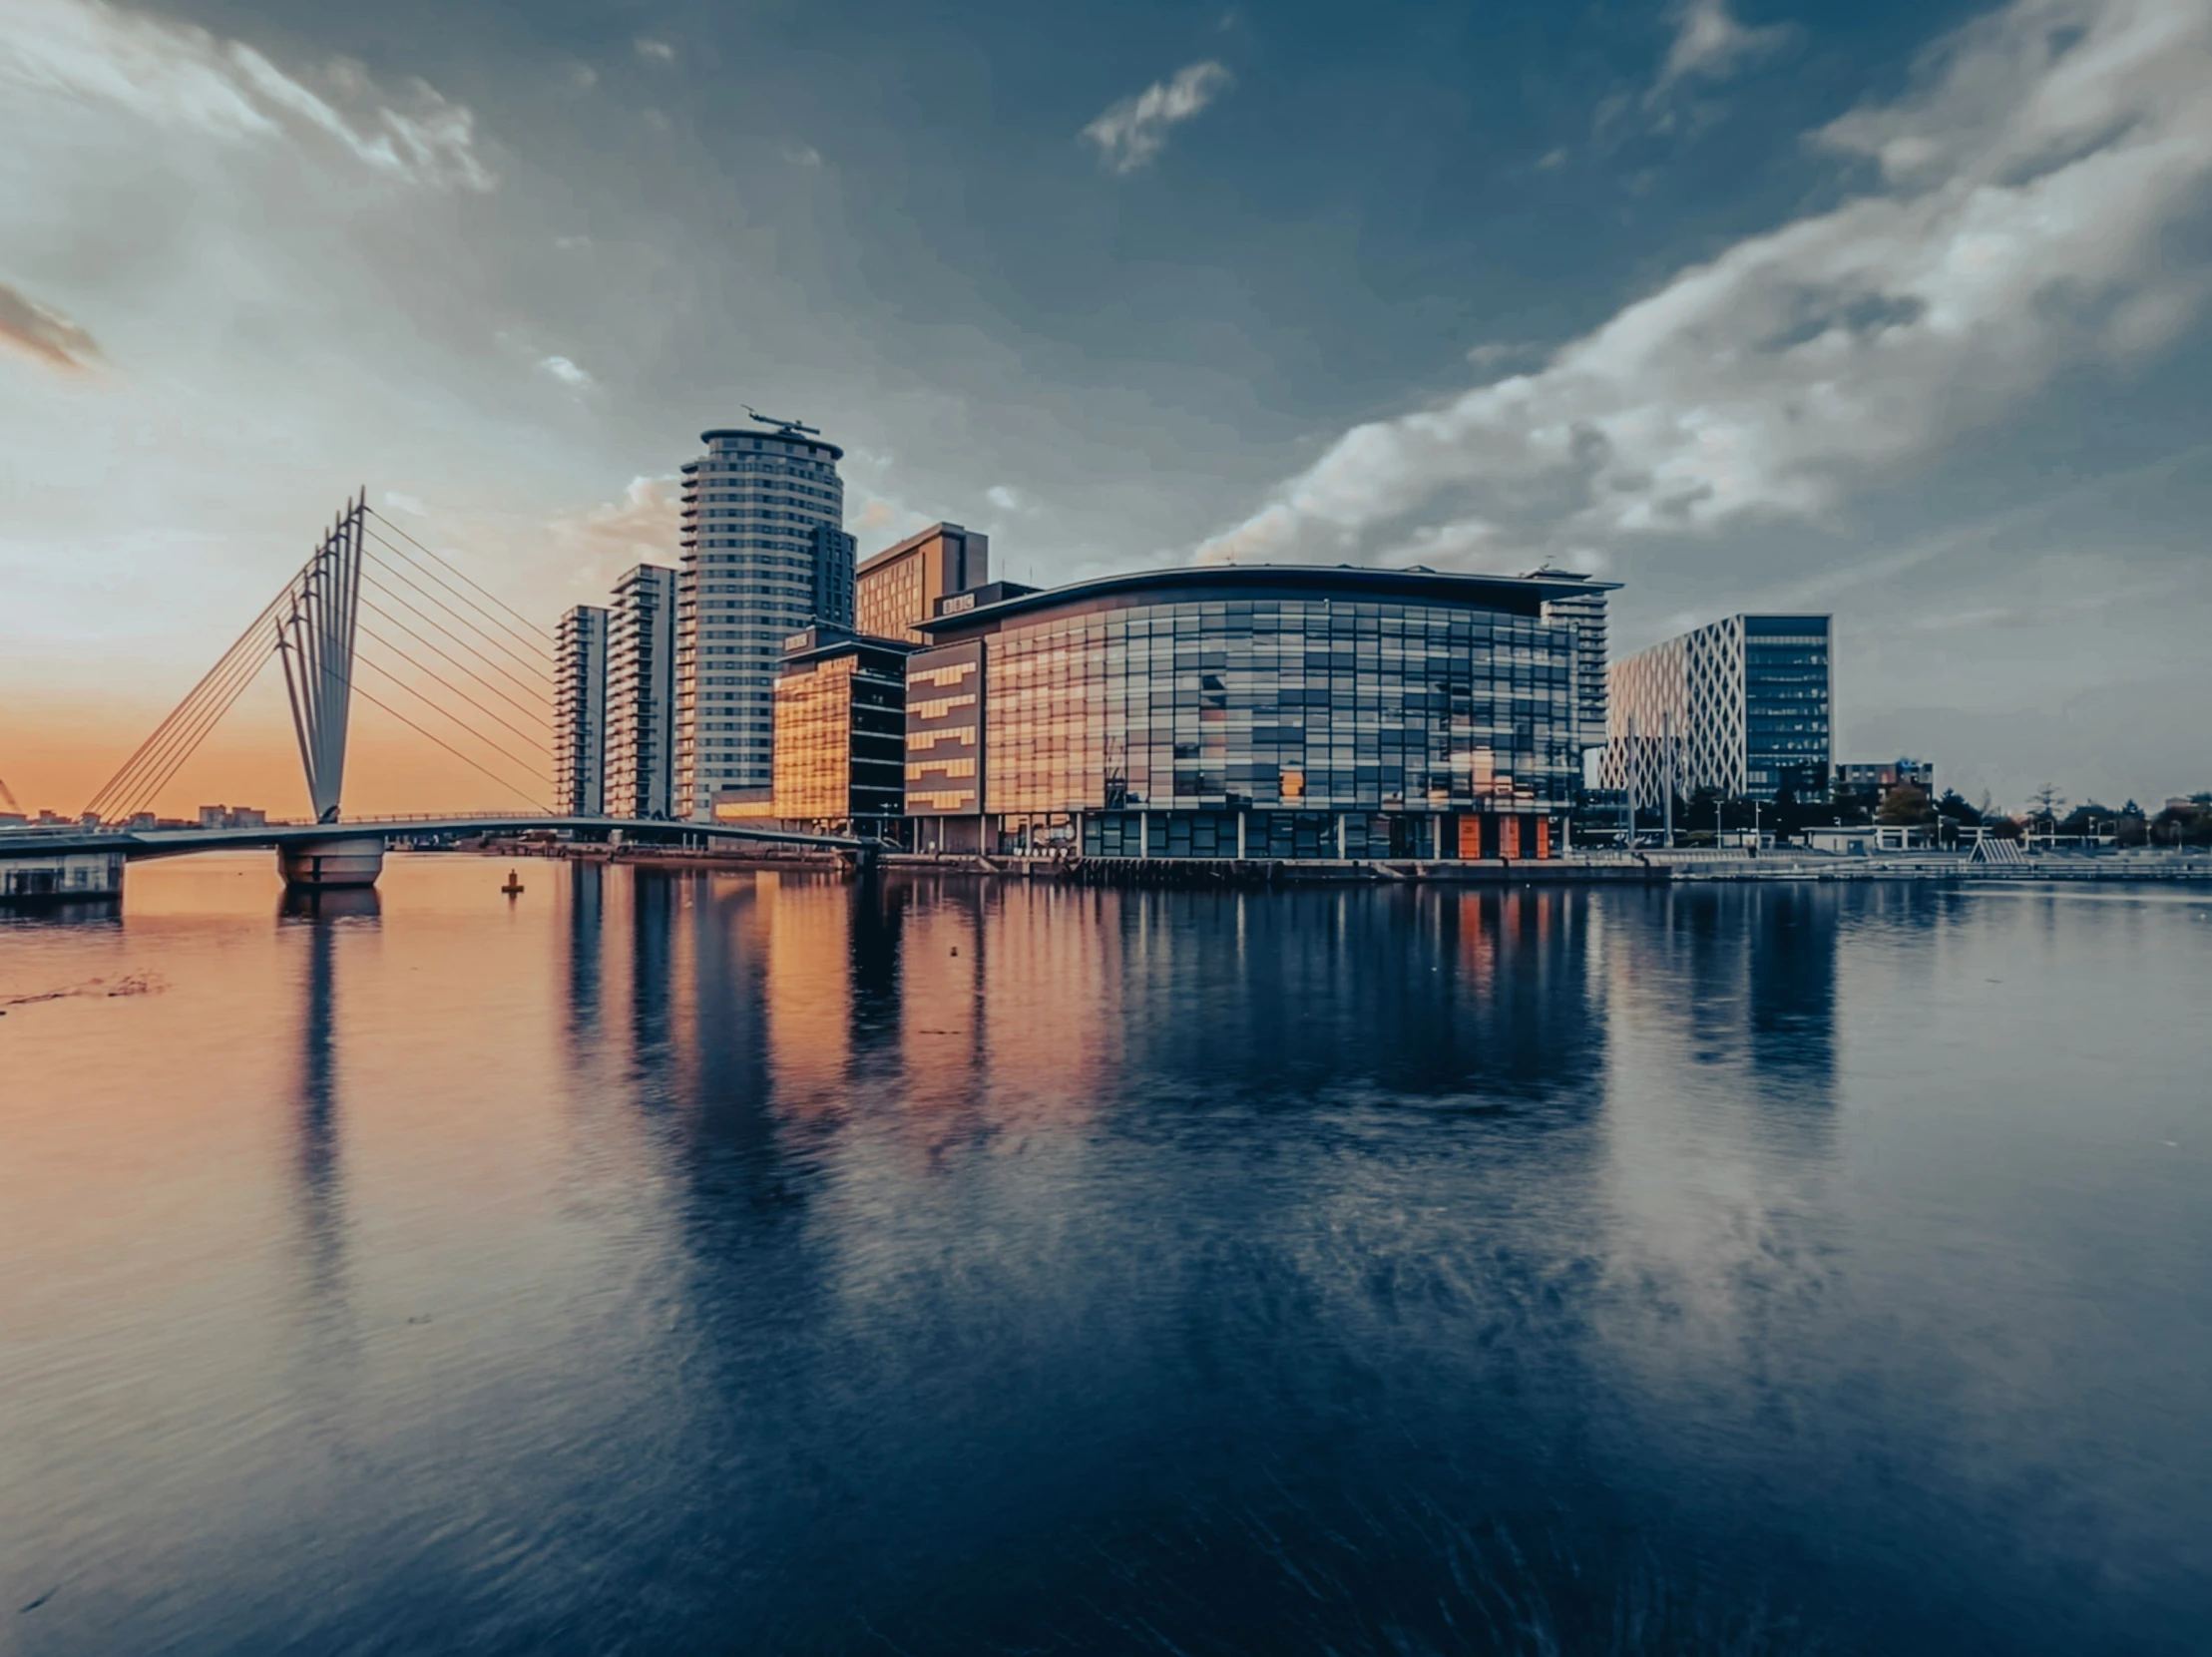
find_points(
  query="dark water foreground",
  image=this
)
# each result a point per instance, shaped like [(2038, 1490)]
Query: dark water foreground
[(730, 1264)]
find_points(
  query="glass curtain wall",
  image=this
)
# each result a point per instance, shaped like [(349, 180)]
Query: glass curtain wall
[(1292, 704)]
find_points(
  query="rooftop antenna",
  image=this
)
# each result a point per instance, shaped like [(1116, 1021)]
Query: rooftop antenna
[(787, 427)]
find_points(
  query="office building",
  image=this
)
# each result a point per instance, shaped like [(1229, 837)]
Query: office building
[(580, 712), (899, 587), (1881, 776), (1740, 707), (641, 693), (840, 733), (1261, 711), (764, 552)]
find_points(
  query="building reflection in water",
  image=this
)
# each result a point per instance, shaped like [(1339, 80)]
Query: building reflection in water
[(969, 1003), (586, 917), (1721, 1230)]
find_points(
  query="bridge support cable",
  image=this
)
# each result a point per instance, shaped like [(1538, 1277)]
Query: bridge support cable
[(155, 760), (531, 630), (519, 793), (532, 700), (531, 655), (534, 641), (316, 636), (525, 735), (182, 739), (448, 714), (431, 673), (532, 678)]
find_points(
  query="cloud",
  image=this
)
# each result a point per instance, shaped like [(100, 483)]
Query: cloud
[(46, 334), (1132, 132), (405, 503), (1710, 45), (173, 76), (567, 372), (602, 542), (802, 154), (2010, 227), (657, 50), (1005, 499)]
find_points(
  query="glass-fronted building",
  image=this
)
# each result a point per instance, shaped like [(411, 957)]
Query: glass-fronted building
[(1741, 707), (840, 733), (1252, 710), (764, 555)]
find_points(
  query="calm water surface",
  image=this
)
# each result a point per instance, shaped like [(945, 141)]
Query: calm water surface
[(664, 1263)]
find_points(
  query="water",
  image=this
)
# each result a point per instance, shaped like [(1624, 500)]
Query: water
[(664, 1263)]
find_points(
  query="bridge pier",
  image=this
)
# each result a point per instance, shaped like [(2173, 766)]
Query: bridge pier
[(333, 863)]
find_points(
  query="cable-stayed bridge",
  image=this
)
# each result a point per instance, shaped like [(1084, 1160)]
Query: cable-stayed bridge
[(373, 613)]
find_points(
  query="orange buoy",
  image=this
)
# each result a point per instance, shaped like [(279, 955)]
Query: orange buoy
[(513, 888)]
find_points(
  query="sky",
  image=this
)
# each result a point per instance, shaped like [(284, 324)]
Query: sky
[(1900, 311)]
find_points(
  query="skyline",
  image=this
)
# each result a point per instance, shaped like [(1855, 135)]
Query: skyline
[(1893, 311)]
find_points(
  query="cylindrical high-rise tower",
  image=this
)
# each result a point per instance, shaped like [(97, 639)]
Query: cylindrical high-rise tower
[(764, 555)]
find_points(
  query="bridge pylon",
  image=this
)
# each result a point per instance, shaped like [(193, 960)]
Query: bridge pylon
[(316, 636)]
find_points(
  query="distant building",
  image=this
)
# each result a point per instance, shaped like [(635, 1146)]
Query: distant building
[(641, 694), (1254, 710), (1741, 708), (899, 587), (840, 733), (580, 712), (1880, 777), (764, 555), (1582, 610), (233, 816)]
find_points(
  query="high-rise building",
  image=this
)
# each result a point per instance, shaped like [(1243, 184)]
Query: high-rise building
[(764, 552), (580, 712), (898, 589), (840, 733), (1740, 706), (1583, 609), (641, 694)]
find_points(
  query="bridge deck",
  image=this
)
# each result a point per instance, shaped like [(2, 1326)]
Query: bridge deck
[(137, 843)]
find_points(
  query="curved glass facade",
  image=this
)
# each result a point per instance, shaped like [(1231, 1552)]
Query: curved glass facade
[(1287, 703)]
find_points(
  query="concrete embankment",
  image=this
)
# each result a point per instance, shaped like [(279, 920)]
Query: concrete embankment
[(1655, 867)]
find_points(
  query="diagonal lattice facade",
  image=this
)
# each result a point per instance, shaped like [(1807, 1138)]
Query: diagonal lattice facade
[(1740, 706)]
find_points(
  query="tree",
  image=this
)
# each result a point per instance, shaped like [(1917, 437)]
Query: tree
[(2044, 805), (1905, 804), (1953, 806), (2183, 825)]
